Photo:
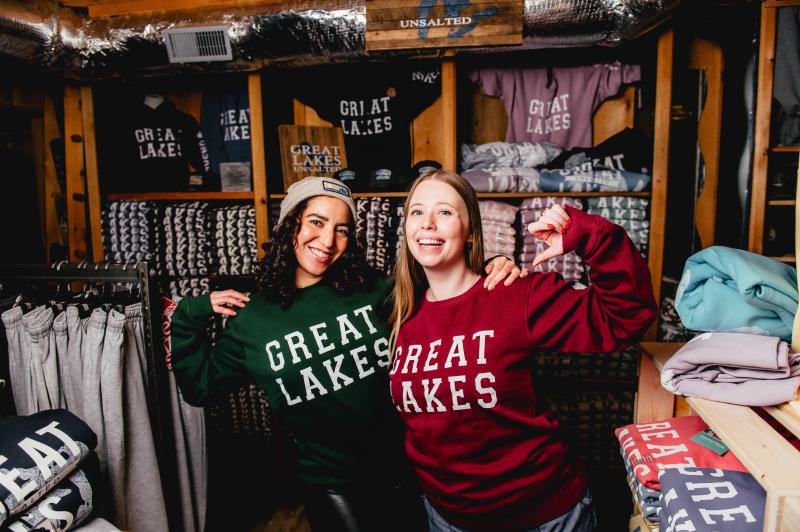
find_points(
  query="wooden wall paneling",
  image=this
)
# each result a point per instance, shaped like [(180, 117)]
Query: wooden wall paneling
[(433, 132), (76, 190), (653, 401), (758, 188), (189, 102), (307, 116), (259, 163), (707, 55), (614, 115), (489, 118), (658, 200), (52, 188), (92, 176)]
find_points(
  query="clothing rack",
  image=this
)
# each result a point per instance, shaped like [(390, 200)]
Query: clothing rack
[(157, 379)]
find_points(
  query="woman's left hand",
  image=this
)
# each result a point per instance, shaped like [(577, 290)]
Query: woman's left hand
[(502, 268)]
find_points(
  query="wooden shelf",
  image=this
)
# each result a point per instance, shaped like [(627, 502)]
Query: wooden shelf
[(189, 196), (786, 149), (499, 195), (789, 259), (782, 202), (771, 460)]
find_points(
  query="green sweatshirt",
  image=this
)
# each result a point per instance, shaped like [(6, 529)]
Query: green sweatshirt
[(323, 364)]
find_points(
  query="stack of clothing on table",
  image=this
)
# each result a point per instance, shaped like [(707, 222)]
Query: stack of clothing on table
[(52, 474), (233, 238), (746, 305), (660, 454), (628, 212), (570, 265), (499, 235), (377, 224), (129, 231), (505, 166)]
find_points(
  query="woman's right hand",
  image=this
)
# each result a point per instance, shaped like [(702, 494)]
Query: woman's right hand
[(224, 302)]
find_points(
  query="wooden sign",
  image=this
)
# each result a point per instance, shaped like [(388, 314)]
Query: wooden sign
[(310, 150), (412, 24)]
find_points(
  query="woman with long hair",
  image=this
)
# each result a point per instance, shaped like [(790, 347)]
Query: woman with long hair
[(488, 455), (315, 338)]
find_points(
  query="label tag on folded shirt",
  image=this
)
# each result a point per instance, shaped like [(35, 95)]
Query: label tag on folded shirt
[(708, 440)]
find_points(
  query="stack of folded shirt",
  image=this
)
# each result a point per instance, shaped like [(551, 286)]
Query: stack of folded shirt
[(499, 235), (651, 449), (505, 166), (51, 470), (579, 180), (379, 225), (700, 498), (628, 212), (569, 265), (129, 233), (731, 367), (649, 500), (233, 231), (186, 239)]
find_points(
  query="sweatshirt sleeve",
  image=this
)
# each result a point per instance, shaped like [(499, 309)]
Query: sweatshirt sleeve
[(200, 369), (611, 312)]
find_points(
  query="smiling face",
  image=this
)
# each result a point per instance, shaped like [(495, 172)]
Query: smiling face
[(321, 239), (437, 226)]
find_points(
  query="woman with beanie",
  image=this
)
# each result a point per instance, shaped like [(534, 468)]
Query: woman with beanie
[(315, 338)]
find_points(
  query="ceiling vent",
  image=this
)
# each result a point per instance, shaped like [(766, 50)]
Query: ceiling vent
[(191, 45)]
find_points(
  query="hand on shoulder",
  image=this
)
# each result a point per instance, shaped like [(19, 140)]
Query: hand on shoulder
[(226, 301)]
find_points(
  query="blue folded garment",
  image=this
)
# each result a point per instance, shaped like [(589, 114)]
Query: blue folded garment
[(726, 289)]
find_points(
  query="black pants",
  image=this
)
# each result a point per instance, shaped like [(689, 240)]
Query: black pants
[(365, 509)]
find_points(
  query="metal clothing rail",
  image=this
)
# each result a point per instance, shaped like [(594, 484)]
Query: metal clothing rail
[(157, 378)]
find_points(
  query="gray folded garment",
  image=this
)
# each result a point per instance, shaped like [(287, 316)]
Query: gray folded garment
[(500, 228), (617, 202), (545, 202), (507, 154), (731, 367)]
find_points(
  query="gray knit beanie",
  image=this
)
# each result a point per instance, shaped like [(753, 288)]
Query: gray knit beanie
[(311, 186)]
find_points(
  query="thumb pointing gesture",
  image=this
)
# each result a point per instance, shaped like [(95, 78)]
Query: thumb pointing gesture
[(550, 228)]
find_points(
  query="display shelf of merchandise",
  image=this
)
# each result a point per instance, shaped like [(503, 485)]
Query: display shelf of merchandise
[(191, 196), (498, 195), (772, 460), (782, 202)]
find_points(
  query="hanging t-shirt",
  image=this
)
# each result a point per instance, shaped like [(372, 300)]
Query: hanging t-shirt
[(554, 104), (156, 148), (225, 122), (374, 105)]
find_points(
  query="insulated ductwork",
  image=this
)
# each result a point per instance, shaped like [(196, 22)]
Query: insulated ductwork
[(43, 33)]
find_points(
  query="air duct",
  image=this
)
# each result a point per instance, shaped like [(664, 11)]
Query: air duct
[(43, 33)]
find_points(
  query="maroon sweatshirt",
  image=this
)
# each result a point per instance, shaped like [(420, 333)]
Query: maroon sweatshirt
[(487, 455)]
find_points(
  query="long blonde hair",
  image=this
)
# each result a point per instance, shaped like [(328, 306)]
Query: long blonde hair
[(410, 278)]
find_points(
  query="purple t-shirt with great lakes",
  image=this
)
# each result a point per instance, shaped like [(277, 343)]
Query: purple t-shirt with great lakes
[(557, 108)]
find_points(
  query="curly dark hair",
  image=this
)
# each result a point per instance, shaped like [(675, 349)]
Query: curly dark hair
[(275, 272)]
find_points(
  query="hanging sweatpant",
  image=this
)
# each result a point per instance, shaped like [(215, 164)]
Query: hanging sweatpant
[(44, 359), (91, 355), (62, 341), (73, 378), (190, 451), (19, 361), (143, 506)]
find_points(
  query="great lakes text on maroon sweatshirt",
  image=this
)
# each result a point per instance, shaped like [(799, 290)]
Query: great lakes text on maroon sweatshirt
[(487, 455)]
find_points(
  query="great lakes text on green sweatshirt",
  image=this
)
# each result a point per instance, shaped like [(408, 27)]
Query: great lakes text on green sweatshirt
[(323, 364)]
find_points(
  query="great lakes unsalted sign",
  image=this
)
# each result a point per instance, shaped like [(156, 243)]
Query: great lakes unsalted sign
[(310, 150), (404, 24)]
